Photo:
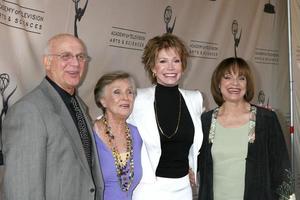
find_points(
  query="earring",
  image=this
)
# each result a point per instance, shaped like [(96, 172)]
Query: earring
[(153, 75)]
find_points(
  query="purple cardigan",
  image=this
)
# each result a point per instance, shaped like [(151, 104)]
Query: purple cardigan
[(112, 189)]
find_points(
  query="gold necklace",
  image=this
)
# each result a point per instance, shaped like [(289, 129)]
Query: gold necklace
[(178, 119), (125, 173)]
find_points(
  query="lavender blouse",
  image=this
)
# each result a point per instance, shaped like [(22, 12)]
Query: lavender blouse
[(112, 189)]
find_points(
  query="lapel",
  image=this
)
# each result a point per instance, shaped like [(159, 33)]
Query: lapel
[(259, 139), (144, 118), (149, 121), (71, 130), (97, 174), (194, 105), (194, 108)]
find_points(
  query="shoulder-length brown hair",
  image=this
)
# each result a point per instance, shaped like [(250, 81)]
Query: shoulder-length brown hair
[(228, 65), (158, 43)]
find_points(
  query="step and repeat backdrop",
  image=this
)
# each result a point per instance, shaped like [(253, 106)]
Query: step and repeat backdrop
[(116, 32)]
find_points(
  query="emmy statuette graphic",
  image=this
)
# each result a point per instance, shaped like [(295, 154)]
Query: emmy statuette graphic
[(261, 98), (4, 82), (79, 12), (167, 19), (269, 8), (236, 38)]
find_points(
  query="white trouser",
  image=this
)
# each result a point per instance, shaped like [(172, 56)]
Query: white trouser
[(164, 189)]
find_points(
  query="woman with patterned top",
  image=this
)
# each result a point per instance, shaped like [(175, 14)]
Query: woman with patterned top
[(244, 155), (118, 142)]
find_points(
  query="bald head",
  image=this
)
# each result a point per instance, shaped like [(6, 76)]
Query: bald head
[(56, 39), (65, 60)]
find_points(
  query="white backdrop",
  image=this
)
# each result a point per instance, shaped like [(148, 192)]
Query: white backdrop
[(116, 31)]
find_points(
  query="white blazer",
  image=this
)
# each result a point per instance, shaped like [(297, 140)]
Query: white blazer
[(143, 117)]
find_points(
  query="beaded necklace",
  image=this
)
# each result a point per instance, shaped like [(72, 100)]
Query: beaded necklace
[(125, 173), (252, 122)]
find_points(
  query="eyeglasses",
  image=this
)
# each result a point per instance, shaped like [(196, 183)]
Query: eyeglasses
[(66, 57)]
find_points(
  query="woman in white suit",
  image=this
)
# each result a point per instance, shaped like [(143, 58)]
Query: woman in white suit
[(168, 119)]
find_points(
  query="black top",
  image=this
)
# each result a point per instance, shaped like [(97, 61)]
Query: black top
[(266, 162), (173, 162), (66, 97), (81, 124)]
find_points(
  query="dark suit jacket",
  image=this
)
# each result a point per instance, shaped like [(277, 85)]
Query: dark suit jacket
[(43, 154), (266, 162)]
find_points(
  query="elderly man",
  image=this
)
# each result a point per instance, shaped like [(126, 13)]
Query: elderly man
[(49, 150)]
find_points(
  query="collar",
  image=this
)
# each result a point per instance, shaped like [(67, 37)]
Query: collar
[(252, 122), (64, 95)]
